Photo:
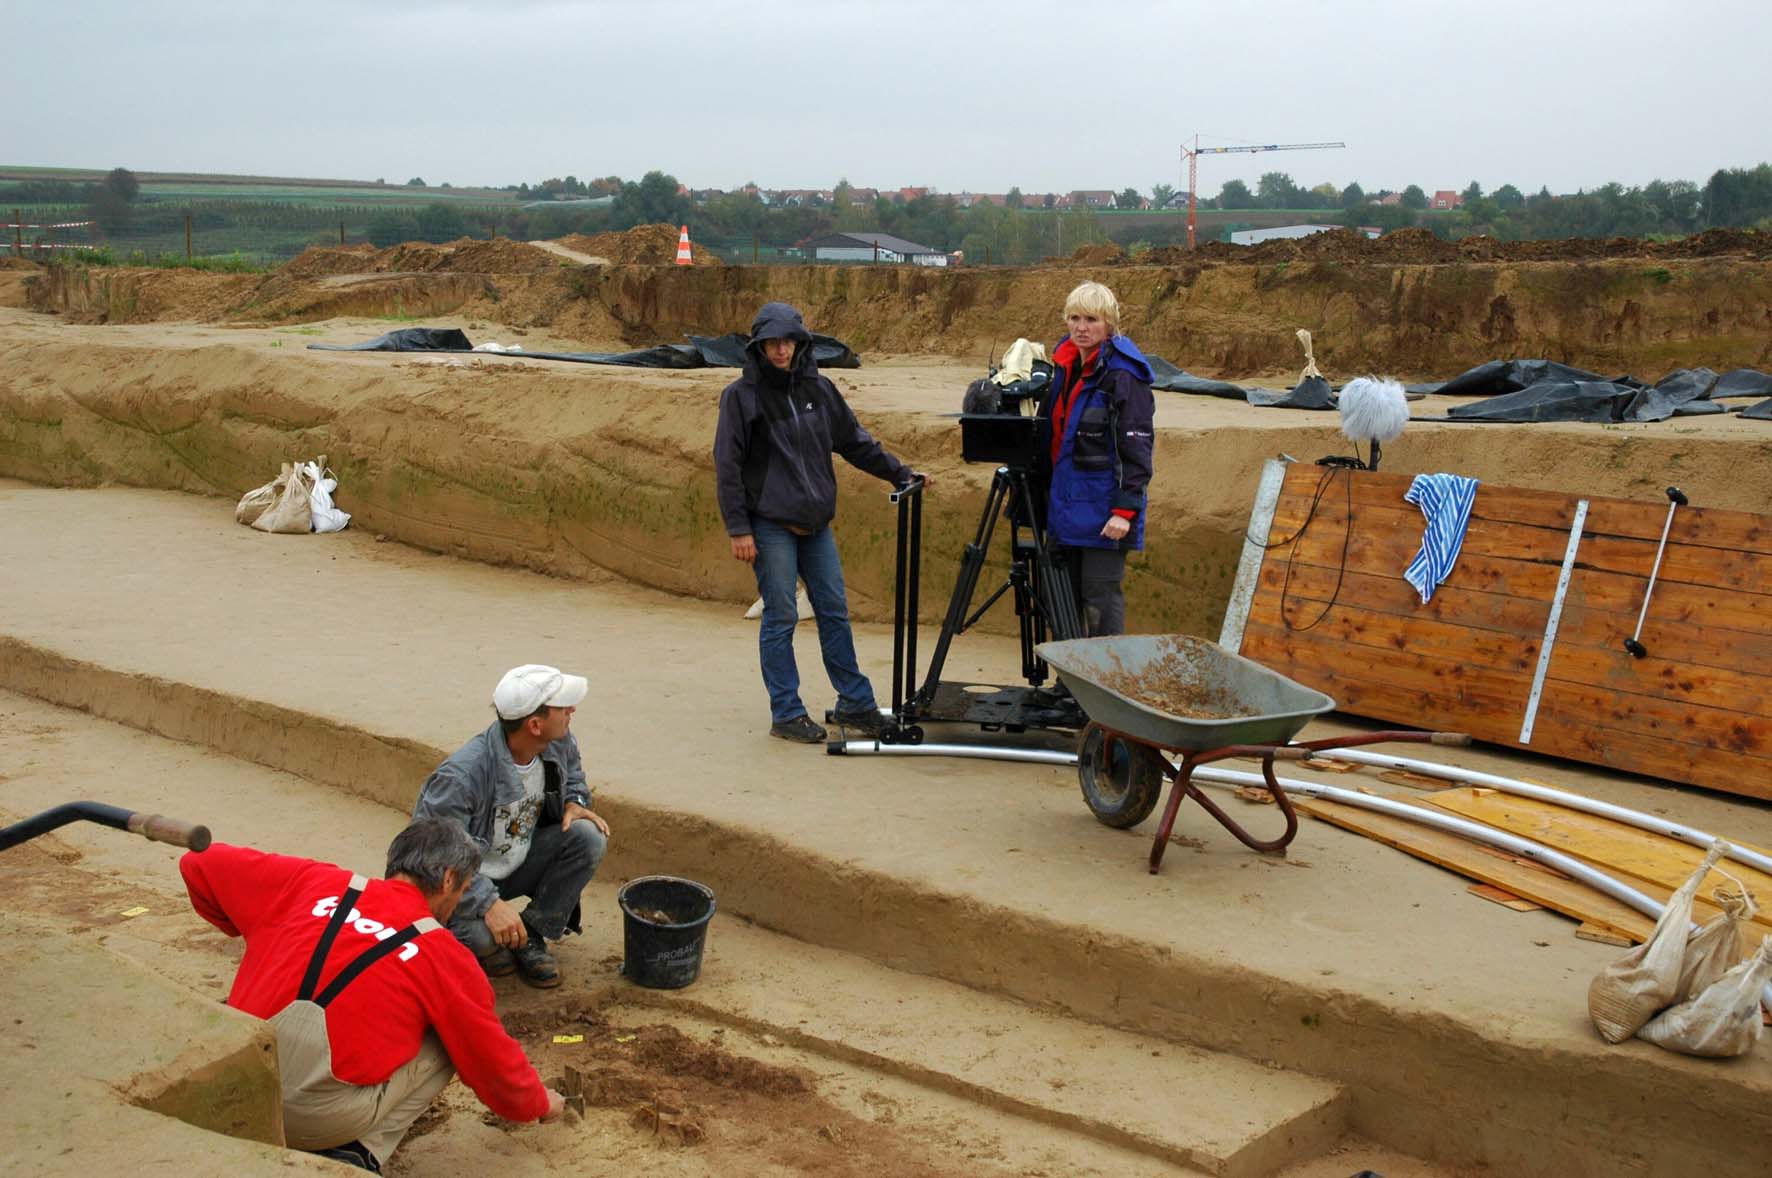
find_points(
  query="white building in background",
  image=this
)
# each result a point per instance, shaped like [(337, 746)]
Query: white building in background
[(1282, 232), (872, 247)]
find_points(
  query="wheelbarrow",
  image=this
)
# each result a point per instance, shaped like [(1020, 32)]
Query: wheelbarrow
[(157, 827), (1152, 696)]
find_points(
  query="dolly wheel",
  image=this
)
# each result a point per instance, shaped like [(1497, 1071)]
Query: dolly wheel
[(1121, 780)]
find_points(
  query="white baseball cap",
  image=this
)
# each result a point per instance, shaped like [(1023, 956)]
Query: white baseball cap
[(527, 689)]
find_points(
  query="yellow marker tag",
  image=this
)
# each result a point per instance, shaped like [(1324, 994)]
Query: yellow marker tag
[(134, 911), (569, 1038), (626, 1038)]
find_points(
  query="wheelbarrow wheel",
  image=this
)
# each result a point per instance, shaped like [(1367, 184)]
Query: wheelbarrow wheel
[(1121, 779)]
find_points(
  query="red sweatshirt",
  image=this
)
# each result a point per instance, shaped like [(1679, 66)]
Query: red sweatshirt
[(375, 1026)]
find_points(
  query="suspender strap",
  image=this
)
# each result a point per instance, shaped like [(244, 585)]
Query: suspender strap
[(370, 956), (342, 913)]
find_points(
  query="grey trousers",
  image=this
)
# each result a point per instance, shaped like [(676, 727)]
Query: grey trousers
[(553, 875), (1096, 574)]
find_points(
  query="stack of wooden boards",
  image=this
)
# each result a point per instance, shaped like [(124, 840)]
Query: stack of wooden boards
[(1654, 864), (1322, 600)]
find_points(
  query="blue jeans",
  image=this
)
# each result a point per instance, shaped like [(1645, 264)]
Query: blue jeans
[(782, 559)]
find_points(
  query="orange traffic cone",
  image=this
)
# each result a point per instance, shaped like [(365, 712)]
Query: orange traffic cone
[(683, 247)]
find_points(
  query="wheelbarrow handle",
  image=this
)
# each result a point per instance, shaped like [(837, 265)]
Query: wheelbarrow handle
[(161, 829), (1453, 739)]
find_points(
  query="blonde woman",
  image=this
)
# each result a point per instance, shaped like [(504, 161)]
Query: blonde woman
[(1097, 435)]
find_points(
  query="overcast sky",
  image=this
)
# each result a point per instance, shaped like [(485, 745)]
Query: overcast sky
[(954, 95)]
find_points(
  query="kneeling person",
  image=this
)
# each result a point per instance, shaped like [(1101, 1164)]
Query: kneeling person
[(519, 790), (365, 1043)]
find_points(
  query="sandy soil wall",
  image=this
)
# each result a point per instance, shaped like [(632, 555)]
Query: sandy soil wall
[(1637, 315), (589, 472)]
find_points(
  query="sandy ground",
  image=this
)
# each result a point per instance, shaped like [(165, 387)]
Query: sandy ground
[(135, 594)]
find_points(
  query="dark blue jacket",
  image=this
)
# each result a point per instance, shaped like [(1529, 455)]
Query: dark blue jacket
[(1104, 461), (777, 432)]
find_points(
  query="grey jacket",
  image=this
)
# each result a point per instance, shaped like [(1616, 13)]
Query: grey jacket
[(481, 776)]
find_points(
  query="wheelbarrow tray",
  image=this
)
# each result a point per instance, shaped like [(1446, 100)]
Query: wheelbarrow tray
[(1274, 707)]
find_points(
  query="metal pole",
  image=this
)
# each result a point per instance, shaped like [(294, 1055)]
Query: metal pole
[(187, 237), (341, 232), (18, 233)]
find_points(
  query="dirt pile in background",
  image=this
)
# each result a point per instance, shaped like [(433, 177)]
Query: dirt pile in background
[(643, 245), (467, 255), (1420, 247)]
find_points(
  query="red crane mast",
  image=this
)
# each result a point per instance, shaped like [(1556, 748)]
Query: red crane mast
[(1192, 157)]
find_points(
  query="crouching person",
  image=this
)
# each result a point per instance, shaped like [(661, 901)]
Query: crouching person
[(374, 1006), (519, 789)]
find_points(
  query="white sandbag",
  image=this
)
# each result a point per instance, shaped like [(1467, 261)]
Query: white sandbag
[(1724, 1019), (1643, 982), (801, 605), (322, 514), (254, 502), (292, 511), (1718, 946)]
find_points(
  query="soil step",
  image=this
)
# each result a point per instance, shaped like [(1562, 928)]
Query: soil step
[(1201, 1109)]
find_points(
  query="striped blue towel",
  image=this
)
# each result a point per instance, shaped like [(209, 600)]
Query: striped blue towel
[(1445, 499)]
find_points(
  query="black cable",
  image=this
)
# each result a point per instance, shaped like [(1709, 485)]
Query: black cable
[(1341, 573)]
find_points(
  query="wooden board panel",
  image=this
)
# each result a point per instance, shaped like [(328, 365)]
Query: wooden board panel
[(1330, 608), (1466, 858), (1620, 850)]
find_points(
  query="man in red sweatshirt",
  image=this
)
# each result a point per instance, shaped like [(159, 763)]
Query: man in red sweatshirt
[(374, 1002)]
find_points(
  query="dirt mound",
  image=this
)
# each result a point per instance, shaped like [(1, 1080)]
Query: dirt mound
[(1102, 253), (1419, 247), (643, 245), (1717, 242), (318, 261), (466, 255), (11, 263)]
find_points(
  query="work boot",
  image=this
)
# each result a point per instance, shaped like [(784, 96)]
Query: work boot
[(351, 1153), (868, 723), (800, 730), (499, 963), (535, 965)]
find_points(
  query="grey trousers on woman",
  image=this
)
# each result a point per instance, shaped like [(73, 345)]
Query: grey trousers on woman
[(1096, 574)]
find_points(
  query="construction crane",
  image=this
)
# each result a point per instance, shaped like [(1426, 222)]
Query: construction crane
[(1192, 156)]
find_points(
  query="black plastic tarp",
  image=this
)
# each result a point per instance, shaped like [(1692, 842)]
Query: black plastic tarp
[(1760, 412), (1510, 376), (725, 351), (1313, 392), (1167, 378), (1685, 392), (1742, 382)]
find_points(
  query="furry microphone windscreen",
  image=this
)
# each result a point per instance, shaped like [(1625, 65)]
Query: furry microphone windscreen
[(1373, 409)]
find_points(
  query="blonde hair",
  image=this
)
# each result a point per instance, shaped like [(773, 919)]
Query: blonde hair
[(1092, 298)]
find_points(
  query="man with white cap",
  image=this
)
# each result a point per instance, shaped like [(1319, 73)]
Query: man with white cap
[(519, 790)]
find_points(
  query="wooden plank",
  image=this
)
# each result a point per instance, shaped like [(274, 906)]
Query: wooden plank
[(1566, 896), (1640, 519), (1593, 932), (1573, 721), (1699, 709), (1503, 897), (1695, 643), (1618, 849)]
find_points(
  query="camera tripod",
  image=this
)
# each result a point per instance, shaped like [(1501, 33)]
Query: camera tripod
[(1045, 607)]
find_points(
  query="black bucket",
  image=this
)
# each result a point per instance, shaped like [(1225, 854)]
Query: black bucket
[(657, 953)]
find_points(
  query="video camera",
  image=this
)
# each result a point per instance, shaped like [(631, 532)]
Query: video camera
[(997, 420)]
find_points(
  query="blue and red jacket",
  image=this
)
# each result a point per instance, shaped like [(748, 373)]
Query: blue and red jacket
[(1095, 442)]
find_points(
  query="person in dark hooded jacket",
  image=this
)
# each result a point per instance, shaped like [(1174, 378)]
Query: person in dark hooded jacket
[(1095, 426), (779, 425)]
